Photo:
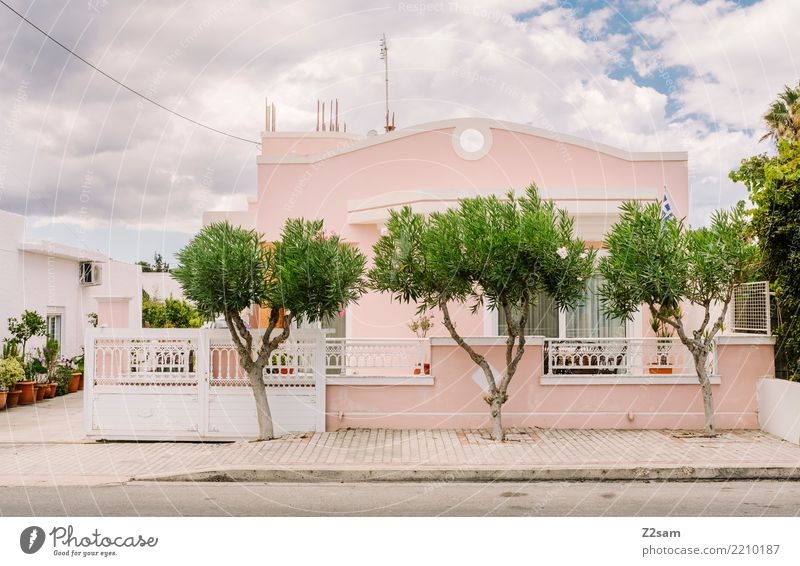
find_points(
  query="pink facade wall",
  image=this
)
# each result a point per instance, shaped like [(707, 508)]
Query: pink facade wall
[(306, 176), (113, 313), (455, 400)]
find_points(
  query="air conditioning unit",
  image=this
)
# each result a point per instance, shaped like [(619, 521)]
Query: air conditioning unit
[(89, 273)]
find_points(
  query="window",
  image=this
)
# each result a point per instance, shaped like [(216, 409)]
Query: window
[(54, 327), (543, 319), (336, 325), (588, 320)]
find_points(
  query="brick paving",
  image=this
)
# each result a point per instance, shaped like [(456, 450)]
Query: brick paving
[(28, 459)]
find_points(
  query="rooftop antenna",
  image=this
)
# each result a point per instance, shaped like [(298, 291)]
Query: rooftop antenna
[(329, 124), (269, 124), (385, 57)]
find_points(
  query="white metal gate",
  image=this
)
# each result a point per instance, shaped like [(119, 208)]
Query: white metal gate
[(187, 384)]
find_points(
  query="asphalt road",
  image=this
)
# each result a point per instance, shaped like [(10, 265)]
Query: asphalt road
[(761, 498)]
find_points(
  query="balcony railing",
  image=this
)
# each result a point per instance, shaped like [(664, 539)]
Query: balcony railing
[(367, 357), (622, 357)]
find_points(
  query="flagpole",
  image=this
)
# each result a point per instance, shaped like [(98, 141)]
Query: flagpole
[(674, 208)]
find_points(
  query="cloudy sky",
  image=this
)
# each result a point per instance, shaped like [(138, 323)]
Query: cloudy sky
[(92, 165)]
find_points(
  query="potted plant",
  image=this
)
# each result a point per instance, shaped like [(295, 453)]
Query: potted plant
[(45, 366), (75, 379), (41, 387), (282, 360), (63, 379), (420, 327), (663, 347), (78, 361), (22, 329), (25, 386), (11, 372)]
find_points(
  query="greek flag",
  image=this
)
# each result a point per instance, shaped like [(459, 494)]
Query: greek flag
[(666, 210)]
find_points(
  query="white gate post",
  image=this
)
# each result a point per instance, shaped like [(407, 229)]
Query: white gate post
[(320, 379), (88, 379), (203, 373)]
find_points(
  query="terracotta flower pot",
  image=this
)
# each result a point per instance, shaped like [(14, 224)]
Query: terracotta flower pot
[(3, 399), (660, 371), (74, 382), (13, 398), (426, 368), (27, 393), (80, 383), (51, 391), (40, 389)]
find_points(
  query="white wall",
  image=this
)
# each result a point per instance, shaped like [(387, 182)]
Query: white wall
[(779, 408), (12, 227), (161, 286)]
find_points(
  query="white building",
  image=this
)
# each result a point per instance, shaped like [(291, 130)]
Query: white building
[(64, 284), (161, 286)]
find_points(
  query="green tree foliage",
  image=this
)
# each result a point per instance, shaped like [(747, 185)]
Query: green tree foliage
[(158, 265), (27, 326), (170, 313), (306, 275), (501, 253), (663, 265), (783, 117), (774, 186)]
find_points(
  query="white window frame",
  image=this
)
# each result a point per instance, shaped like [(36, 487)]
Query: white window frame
[(52, 314)]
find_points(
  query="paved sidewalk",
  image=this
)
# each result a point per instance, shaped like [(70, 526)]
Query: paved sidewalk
[(53, 420), (43, 444), (376, 455)]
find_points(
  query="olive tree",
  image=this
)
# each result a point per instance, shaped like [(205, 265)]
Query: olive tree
[(663, 265), (29, 325), (501, 253), (306, 275)]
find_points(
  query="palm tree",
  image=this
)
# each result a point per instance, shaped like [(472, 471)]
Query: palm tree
[(783, 117)]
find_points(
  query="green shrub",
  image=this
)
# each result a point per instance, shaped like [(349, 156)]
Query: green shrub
[(11, 372)]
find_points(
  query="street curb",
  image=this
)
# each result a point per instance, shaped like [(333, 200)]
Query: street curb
[(347, 475)]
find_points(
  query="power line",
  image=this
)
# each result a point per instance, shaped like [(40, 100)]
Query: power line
[(123, 85)]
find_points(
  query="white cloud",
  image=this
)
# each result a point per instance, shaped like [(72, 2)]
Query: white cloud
[(216, 62)]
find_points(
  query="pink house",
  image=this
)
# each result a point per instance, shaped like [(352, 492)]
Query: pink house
[(581, 370)]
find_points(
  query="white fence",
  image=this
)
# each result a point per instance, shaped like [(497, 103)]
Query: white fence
[(185, 384), (621, 357), (360, 357), (750, 309)]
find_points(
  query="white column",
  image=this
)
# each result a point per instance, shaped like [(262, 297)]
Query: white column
[(320, 380)]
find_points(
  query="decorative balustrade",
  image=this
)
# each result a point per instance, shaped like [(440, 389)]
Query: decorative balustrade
[(364, 357), (291, 365), (631, 357), (140, 361), (171, 357)]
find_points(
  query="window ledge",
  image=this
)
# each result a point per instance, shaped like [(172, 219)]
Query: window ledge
[(381, 380), (745, 340), (626, 380), (484, 341)]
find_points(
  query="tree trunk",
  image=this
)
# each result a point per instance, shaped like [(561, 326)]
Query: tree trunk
[(265, 430), (700, 360), (497, 424)]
